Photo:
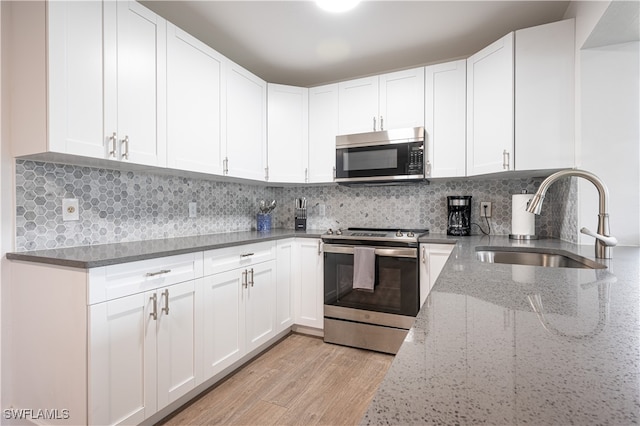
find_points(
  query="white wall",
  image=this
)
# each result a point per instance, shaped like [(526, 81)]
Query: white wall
[(607, 129)]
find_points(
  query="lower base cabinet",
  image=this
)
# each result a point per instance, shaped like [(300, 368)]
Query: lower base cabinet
[(144, 353), (432, 260)]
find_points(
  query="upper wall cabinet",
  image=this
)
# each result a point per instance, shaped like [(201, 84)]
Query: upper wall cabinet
[(287, 133), (445, 115), (135, 82), (194, 100), (490, 108), (246, 124), (389, 101), (520, 97), (323, 128), (89, 83), (544, 96)]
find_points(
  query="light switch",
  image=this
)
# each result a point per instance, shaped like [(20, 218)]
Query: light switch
[(70, 209)]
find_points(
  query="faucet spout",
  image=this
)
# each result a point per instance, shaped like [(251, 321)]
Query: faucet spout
[(602, 245)]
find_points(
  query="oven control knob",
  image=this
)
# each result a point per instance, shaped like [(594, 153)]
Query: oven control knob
[(339, 232), (410, 234), (399, 233), (330, 231)]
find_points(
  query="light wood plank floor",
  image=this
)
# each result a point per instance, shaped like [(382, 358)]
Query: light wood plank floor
[(299, 381)]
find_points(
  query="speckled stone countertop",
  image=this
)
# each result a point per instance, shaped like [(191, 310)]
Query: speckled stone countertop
[(111, 254), (509, 344)]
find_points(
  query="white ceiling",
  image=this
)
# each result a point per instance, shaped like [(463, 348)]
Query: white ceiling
[(294, 42)]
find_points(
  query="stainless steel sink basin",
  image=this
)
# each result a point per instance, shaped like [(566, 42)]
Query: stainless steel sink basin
[(535, 257)]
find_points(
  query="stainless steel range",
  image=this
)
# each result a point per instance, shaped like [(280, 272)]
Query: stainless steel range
[(371, 286)]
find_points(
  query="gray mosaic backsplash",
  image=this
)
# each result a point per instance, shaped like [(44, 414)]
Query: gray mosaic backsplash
[(120, 206)]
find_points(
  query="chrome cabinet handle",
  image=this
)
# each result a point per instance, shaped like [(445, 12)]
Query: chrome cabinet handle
[(381, 123), (125, 142), (428, 171), (114, 142), (251, 279), (225, 166), (154, 312), (374, 124), (505, 159), (246, 254), (306, 175), (244, 278), (165, 294), (319, 247), (163, 271), (334, 173), (424, 257)]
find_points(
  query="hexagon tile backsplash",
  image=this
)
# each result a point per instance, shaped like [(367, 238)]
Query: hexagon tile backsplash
[(119, 206)]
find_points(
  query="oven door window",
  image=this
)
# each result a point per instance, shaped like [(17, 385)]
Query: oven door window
[(396, 289), (378, 161)]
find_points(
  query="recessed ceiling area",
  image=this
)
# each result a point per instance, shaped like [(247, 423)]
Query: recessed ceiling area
[(297, 43)]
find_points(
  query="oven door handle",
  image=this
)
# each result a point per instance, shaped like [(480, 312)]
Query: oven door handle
[(380, 251)]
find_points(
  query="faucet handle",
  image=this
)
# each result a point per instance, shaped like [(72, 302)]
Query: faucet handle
[(606, 240)]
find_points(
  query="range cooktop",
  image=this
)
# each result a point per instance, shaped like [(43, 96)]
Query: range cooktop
[(375, 234)]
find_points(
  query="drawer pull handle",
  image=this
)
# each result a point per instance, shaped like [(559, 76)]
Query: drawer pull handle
[(153, 274), (251, 275), (244, 278), (246, 254), (165, 293), (154, 312)]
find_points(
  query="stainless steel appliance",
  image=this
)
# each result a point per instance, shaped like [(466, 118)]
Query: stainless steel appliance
[(380, 319), (389, 156), (459, 222)]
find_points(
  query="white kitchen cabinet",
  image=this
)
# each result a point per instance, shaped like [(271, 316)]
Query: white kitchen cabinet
[(194, 104), (490, 84), (246, 124), (135, 83), (286, 270), (445, 118), (144, 353), (239, 303), (76, 66), (287, 133), (544, 96), (309, 294), (323, 129), (384, 102), (432, 260)]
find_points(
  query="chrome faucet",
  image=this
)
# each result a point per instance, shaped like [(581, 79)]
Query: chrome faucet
[(604, 241)]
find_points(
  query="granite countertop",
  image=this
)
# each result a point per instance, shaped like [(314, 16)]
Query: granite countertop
[(110, 254), (509, 344)]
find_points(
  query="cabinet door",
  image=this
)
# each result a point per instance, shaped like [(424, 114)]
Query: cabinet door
[(122, 369), (260, 304), (178, 341), (490, 108), (445, 118), (544, 96), (223, 321), (287, 133), (323, 129), (425, 287), (246, 124), (194, 97), (140, 60), (401, 99), (309, 284), (285, 275), (438, 255), (75, 101), (358, 106)]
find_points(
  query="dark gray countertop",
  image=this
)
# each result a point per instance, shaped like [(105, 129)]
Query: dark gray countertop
[(509, 344), (110, 254)]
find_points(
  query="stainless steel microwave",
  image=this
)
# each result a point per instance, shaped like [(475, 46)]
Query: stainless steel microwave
[(389, 156)]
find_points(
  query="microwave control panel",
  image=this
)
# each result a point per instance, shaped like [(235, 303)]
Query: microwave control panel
[(416, 160)]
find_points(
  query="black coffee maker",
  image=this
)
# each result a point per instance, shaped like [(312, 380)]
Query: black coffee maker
[(459, 219)]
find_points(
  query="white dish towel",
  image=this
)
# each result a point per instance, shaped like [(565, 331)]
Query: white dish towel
[(364, 268)]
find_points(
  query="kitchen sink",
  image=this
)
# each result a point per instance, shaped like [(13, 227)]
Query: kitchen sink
[(535, 257)]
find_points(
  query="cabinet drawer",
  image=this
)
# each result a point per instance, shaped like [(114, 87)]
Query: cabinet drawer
[(226, 259), (114, 281)]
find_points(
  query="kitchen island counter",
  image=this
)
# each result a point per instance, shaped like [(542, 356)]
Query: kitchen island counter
[(510, 344)]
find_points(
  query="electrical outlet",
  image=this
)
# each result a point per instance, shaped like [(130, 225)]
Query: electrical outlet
[(70, 209), (485, 209), (193, 209), (322, 210)]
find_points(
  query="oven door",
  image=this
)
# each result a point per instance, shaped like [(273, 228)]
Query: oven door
[(399, 161), (396, 289)]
